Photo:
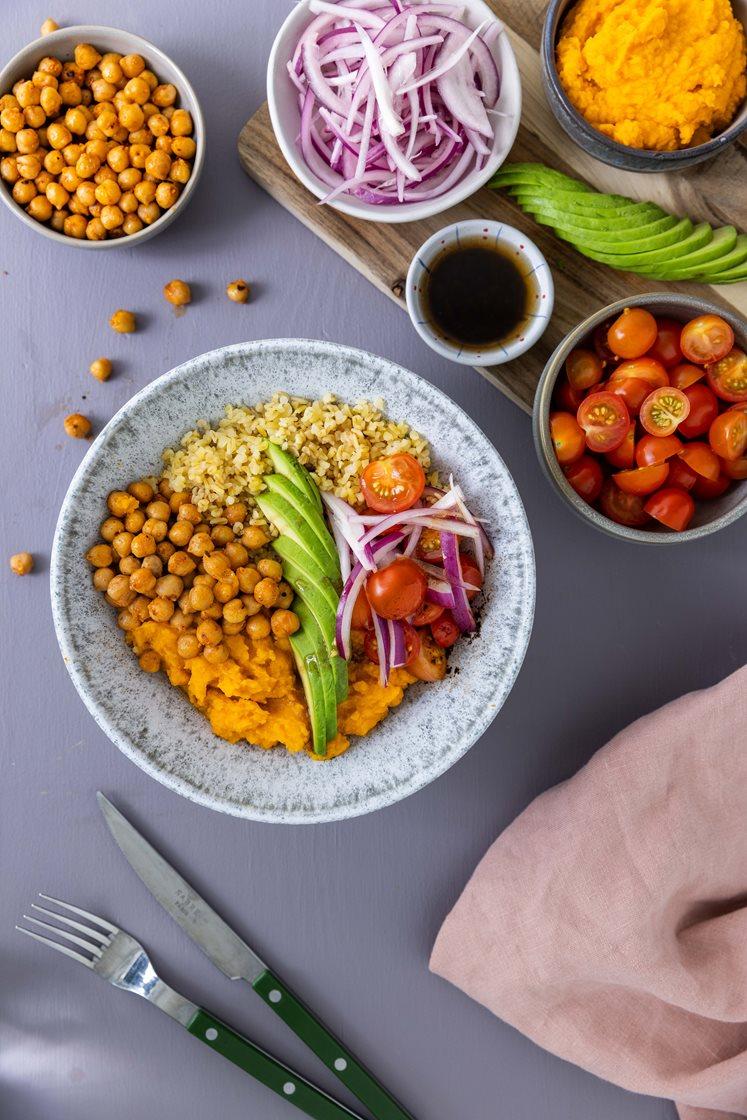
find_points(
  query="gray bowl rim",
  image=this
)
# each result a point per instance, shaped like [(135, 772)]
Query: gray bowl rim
[(622, 154), (89, 32), (541, 412)]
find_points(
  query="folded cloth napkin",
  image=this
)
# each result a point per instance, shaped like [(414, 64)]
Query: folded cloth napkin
[(609, 921)]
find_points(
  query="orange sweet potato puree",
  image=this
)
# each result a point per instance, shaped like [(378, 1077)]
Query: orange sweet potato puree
[(256, 694)]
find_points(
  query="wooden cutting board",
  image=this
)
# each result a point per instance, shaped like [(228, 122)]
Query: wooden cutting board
[(713, 192)]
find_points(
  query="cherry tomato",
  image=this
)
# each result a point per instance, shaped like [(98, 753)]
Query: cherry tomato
[(727, 435), (393, 484), (412, 645), (681, 475), (567, 436), (429, 664), (362, 619), (685, 374), (671, 507), (625, 509), (703, 411), (470, 574), (632, 390), (633, 333), (427, 614), (398, 590), (666, 348), (586, 478), (604, 353), (728, 377), (643, 369), (624, 455), (566, 398), (706, 339), (428, 547), (705, 489), (741, 406), (663, 410), (701, 459), (583, 368), (605, 419), (735, 468), (445, 632), (656, 449), (642, 480)]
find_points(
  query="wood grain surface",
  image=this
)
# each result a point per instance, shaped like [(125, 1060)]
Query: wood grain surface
[(713, 192)]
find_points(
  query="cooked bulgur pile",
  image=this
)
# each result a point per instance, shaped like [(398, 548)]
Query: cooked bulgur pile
[(335, 441)]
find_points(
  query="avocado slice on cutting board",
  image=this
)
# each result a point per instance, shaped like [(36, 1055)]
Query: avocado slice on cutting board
[(613, 228), (720, 247), (537, 173), (711, 270), (573, 201), (290, 523), (632, 241), (287, 464), (700, 236), (281, 486)]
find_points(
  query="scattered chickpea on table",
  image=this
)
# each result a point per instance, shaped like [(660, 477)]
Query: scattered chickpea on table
[(177, 292), (238, 291), (123, 322), (101, 369), (77, 425), (22, 563)]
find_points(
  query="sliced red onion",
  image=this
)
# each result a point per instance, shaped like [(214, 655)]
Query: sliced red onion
[(425, 518), (451, 57), (389, 121), (344, 514), (439, 592), (357, 13), (453, 568), (397, 644), (350, 592)]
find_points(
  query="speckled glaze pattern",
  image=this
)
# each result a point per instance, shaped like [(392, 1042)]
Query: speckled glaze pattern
[(155, 726)]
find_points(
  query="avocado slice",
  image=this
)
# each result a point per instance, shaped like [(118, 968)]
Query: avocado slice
[(700, 236), (577, 201), (632, 241), (284, 488), (712, 272), (709, 257), (288, 465), (614, 228), (290, 523), (314, 584), (292, 553), (309, 670), (536, 173), (316, 653)]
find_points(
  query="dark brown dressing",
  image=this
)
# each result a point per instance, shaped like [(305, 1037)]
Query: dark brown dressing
[(476, 294)]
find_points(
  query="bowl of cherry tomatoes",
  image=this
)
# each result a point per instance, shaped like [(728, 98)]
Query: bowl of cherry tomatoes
[(640, 418)]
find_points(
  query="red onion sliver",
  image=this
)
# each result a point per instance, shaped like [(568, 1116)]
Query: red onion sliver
[(382, 641), (453, 568)]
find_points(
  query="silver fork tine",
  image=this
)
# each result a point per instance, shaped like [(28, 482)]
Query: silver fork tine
[(56, 945), (64, 933), (101, 937), (83, 913)]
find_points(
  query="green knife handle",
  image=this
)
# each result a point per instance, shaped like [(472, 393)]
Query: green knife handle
[(263, 1067), (334, 1055)]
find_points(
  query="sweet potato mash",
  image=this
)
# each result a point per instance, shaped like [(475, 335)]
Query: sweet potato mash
[(654, 74), (256, 694)]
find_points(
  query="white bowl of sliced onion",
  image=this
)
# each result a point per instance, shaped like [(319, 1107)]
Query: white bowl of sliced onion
[(393, 110)]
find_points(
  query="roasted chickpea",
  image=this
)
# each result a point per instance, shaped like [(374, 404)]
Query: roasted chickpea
[(284, 623), (51, 66), (143, 581), (285, 594), (183, 147), (181, 564), (108, 192), (59, 136), (258, 627), (126, 620), (237, 554), (57, 195), (111, 71), (103, 92), (134, 521), (128, 565), (188, 511), (216, 564), (180, 171), (158, 165), (101, 369), (40, 208), (100, 556), (86, 56), (122, 543), (226, 588), (200, 598), (222, 534), (179, 620), (35, 118), (266, 592), (119, 591), (123, 322), (86, 165), (234, 611), (137, 90), (95, 230), (76, 121), (181, 123), (143, 545), (130, 177), (208, 632), (102, 577), (272, 569), (70, 93), (77, 425), (149, 661), (28, 94), (161, 610), (51, 101), (180, 533), (177, 292), (121, 503), (248, 579), (110, 528), (29, 166), (48, 27), (9, 169), (200, 544), (238, 291), (7, 141), (215, 654), (156, 529), (27, 141), (57, 221), (154, 564), (111, 217), (132, 224), (170, 586), (23, 192), (132, 65), (165, 489), (253, 538), (69, 179), (22, 563), (251, 604), (187, 645)]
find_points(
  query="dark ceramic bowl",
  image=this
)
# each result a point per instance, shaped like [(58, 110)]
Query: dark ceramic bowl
[(709, 516), (600, 146)]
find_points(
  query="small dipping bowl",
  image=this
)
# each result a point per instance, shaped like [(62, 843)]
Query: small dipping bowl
[(530, 261)]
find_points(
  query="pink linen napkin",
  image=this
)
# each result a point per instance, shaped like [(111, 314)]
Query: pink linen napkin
[(609, 921)]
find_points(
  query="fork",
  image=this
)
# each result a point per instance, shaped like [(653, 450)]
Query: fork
[(117, 957)]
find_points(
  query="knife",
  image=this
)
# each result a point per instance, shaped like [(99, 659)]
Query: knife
[(238, 961)]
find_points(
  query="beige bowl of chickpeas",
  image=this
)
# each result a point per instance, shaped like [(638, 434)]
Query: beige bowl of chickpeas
[(102, 140)]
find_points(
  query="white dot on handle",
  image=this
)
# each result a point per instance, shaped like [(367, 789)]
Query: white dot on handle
[(289, 1088), (211, 1034), (275, 996), (340, 1064)]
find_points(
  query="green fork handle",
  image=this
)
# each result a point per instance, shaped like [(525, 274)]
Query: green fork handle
[(264, 1068), (329, 1049)]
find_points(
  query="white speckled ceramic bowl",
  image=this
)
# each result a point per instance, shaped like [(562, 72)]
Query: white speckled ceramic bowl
[(528, 258), (155, 726)]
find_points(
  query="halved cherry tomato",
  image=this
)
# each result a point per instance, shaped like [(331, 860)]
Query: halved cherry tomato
[(666, 348), (624, 455), (727, 435), (703, 411), (642, 480), (671, 507), (701, 459), (728, 377), (430, 662), (685, 374), (656, 449), (681, 475), (393, 484), (428, 547), (625, 509), (604, 353), (632, 390), (398, 590), (605, 419), (735, 468), (427, 614), (643, 369), (633, 333), (705, 489), (412, 646), (586, 478), (567, 436), (583, 369), (663, 410), (445, 632), (706, 339), (470, 574), (740, 406), (567, 399), (362, 619)]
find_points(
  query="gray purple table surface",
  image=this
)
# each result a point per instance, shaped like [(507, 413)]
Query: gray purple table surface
[(347, 911)]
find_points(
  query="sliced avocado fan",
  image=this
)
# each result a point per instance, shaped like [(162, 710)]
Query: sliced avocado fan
[(623, 233)]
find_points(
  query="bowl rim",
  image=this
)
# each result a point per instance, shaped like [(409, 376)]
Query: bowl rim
[(500, 353), (397, 212), (658, 159), (676, 301), (177, 784), (89, 32)]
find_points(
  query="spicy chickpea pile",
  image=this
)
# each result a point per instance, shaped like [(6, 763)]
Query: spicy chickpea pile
[(159, 560), (95, 146)]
